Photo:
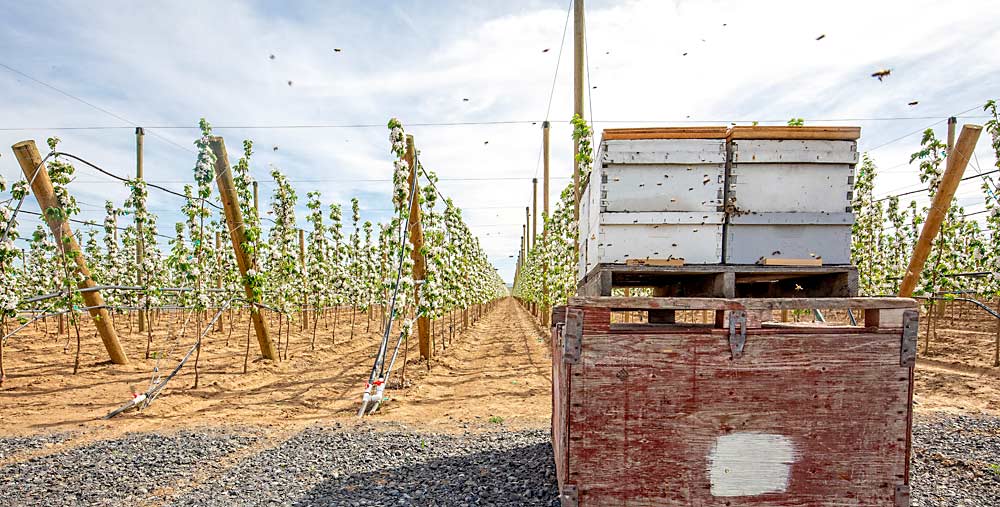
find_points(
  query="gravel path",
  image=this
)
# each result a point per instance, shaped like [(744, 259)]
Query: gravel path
[(10, 446), (953, 465), (326, 466), (113, 472), (956, 461)]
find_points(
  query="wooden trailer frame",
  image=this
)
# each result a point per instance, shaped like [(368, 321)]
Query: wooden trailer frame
[(777, 414)]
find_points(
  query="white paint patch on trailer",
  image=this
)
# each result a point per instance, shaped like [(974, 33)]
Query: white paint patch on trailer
[(750, 464)]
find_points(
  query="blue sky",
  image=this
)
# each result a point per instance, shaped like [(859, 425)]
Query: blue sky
[(168, 64)]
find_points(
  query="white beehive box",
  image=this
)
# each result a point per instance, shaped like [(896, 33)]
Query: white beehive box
[(789, 193), (654, 194)]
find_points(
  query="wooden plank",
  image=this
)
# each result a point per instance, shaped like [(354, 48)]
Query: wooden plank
[(732, 281), (665, 133), (654, 262), (742, 269), (700, 428), (777, 132), (654, 303), (560, 399), (773, 261)]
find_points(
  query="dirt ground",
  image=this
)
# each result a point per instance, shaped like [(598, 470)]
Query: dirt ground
[(955, 371), (498, 368)]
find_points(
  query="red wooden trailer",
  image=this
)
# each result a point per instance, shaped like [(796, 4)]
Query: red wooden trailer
[(731, 414)]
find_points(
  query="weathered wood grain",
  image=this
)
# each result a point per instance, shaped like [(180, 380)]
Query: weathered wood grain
[(725, 280), (665, 416), (665, 133), (655, 303), (818, 133)]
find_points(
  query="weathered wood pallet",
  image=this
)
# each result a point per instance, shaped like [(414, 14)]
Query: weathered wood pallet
[(724, 280), (688, 414)]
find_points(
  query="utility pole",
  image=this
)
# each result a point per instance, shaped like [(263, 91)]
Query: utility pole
[(578, 81), (527, 229), (534, 211), (954, 169), (524, 240), (41, 185), (237, 233), (545, 171), (545, 216), (419, 261), (139, 244)]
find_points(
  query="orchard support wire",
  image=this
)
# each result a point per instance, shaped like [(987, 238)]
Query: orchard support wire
[(234, 219), (956, 163), (41, 186)]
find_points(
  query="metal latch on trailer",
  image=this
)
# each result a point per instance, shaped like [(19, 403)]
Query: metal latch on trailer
[(569, 496), (737, 338), (908, 344), (572, 335), (902, 495)]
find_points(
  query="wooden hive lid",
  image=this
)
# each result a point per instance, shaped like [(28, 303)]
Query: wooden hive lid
[(664, 133), (795, 133)]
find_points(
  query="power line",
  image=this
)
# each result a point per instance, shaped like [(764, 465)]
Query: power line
[(980, 175), (555, 76), (389, 180), (94, 106), (915, 131), (279, 126)]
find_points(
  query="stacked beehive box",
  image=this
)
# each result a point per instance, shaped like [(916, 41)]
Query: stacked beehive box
[(788, 194), (656, 194), (720, 212)]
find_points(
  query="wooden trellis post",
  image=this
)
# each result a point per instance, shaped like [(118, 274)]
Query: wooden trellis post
[(139, 240), (234, 219), (305, 289), (29, 159), (419, 261), (534, 211)]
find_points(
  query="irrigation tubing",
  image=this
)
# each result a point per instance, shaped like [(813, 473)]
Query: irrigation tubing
[(22, 326), (976, 302), (378, 366), (395, 353), (155, 390), (126, 180), (142, 400)]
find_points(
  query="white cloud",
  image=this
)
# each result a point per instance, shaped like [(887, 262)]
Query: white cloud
[(172, 63)]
